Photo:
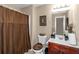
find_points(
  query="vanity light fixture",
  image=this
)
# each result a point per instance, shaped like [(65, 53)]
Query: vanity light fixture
[(61, 7)]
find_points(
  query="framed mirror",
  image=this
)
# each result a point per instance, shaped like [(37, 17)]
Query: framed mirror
[(60, 25)]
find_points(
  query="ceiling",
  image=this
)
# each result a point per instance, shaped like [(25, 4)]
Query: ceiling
[(19, 6)]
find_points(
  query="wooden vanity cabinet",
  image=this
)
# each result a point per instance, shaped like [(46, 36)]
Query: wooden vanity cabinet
[(54, 48)]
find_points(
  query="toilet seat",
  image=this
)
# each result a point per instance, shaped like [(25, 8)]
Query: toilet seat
[(40, 51)]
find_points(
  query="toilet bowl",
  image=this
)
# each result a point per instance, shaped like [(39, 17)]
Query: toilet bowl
[(42, 41), (41, 51)]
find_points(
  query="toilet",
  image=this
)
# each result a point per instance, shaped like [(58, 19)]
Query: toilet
[(42, 42)]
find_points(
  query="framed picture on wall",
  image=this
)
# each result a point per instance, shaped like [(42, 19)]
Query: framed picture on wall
[(43, 20)]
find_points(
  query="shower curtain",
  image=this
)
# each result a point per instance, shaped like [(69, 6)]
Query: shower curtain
[(14, 32)]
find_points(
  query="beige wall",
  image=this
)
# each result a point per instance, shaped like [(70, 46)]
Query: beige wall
[(45, 10), (76, 21)]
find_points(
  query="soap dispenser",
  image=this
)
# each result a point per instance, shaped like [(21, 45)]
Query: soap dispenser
[(53, 35), (66, 37)]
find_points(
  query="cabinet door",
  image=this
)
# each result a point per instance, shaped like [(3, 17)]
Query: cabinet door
[(54, 48)]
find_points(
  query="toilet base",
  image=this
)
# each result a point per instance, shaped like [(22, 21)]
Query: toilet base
[(38, 52)]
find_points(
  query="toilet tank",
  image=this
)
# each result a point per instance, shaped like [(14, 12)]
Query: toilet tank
[(42, 39)]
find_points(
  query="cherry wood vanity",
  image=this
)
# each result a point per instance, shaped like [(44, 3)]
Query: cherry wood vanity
[(55, 48)]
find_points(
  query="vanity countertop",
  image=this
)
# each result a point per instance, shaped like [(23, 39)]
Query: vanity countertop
[(63, 42)]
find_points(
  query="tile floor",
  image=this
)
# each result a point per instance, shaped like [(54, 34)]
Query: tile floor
[(29, 52)]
